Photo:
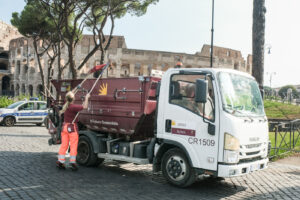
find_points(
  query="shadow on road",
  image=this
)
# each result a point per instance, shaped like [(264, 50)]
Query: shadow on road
[(36, 173)]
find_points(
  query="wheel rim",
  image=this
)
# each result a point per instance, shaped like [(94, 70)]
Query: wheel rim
[(9, 121), (83, 152), (176, 168)]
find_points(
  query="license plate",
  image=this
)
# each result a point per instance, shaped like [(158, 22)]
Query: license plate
[(253, 167)]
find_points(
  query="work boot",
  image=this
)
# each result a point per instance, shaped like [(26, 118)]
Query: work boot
[(60, 165), (74, 167)]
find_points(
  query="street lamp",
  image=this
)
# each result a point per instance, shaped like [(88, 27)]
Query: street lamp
[(271, 75)]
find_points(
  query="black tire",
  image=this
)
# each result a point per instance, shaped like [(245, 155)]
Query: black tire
[(39, 124), (177, 169), (85, 153), (9, 121)]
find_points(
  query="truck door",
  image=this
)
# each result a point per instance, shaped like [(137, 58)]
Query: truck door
[(187, 122)]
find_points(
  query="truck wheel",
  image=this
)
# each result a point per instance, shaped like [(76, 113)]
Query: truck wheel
[(176, 168), (86, 155), (9, 121)]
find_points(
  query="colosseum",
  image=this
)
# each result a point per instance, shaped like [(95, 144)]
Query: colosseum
[(7, 32), (26, 78)]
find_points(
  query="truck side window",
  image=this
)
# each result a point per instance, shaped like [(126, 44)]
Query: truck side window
[(182, 93)]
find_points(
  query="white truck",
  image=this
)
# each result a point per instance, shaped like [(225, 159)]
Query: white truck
[(188, 123)]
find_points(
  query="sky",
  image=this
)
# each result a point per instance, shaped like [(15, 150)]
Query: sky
[(185, 25)]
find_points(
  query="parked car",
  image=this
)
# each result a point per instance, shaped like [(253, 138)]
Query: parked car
[(26, 111)]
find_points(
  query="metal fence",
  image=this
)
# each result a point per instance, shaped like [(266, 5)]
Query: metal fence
[(286, 136)]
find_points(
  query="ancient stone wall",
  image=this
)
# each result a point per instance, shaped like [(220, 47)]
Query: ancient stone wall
[(7, 33), (126, 62)]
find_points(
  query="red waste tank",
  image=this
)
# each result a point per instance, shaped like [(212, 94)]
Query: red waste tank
[(117, 105)]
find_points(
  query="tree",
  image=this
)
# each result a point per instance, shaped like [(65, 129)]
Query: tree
[(33, 23), (284, 90), (258, 41), (77, 15)]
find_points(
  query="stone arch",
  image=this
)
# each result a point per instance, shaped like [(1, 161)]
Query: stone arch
[(23, 90), (30, 90), (17, 90), (4, 55), (125, 69), (236, 66), (3, 66), (138, 70), (5, 84), (112, 70), (18, 70), (39, 90)]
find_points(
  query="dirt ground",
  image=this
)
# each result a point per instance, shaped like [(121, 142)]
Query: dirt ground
[(291, 160)]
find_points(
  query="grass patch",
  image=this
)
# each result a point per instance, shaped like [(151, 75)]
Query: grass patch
[(285, 143), (277, 110)]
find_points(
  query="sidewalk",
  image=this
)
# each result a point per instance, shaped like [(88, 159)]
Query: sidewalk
[(292, 160)]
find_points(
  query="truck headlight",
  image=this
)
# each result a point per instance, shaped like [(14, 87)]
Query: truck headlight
[(231, 156), (231, 142)]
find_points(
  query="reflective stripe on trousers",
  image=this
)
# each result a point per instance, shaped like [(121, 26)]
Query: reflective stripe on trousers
[(67, 138)]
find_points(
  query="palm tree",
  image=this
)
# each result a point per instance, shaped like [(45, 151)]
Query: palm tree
[(258, 41)]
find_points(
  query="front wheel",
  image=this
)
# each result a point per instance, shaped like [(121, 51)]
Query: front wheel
[(86, 155), (9, 121), (176, 168)]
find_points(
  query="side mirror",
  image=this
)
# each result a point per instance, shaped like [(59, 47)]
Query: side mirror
[(201, 91)]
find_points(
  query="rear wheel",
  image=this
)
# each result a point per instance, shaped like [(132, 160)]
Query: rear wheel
[(9, 121), (85, 153), (176, 168)]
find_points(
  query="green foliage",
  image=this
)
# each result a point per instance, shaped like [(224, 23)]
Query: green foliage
[(283, 91), (33, 21), (5, 101), (285, 144), (277, 110)]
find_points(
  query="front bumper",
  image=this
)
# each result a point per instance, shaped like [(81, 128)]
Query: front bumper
[(1, 119), (241, 169)]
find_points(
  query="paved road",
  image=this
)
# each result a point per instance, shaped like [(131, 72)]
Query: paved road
[(27, 171)]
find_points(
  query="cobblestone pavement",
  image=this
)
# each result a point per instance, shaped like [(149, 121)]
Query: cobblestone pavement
[(27, 171)]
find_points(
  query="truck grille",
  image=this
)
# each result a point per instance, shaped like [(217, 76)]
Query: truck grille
[(250, 146), (252, 153)]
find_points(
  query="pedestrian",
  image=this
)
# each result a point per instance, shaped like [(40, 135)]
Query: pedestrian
[(69, 133)]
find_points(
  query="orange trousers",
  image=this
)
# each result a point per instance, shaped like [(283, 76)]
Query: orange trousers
[(67, 138)]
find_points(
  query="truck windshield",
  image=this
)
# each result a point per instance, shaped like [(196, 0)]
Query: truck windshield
[(14, 105), (240, 95)]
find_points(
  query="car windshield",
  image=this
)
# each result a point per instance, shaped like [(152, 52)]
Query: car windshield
[(240, 95), (14, 105)]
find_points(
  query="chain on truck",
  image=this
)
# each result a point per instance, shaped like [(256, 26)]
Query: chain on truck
[(186, 123)]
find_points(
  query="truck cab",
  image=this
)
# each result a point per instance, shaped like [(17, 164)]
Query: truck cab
[(215, 118)]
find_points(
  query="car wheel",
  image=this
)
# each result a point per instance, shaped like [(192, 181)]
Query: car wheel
[(176, 168), (86, 155), (9, 121)]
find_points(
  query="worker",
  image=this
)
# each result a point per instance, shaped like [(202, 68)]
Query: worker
[(69, 132)]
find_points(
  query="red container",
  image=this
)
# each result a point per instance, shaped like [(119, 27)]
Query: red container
[(117, 105)]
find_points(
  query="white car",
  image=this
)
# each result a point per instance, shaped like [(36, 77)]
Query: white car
[(24, 112)]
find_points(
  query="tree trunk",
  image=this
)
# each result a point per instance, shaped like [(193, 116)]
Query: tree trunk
[(39, 63), (258, 41), (71, 61)]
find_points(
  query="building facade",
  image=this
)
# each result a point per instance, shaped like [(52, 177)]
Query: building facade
[(7, 33), (126, 62)]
